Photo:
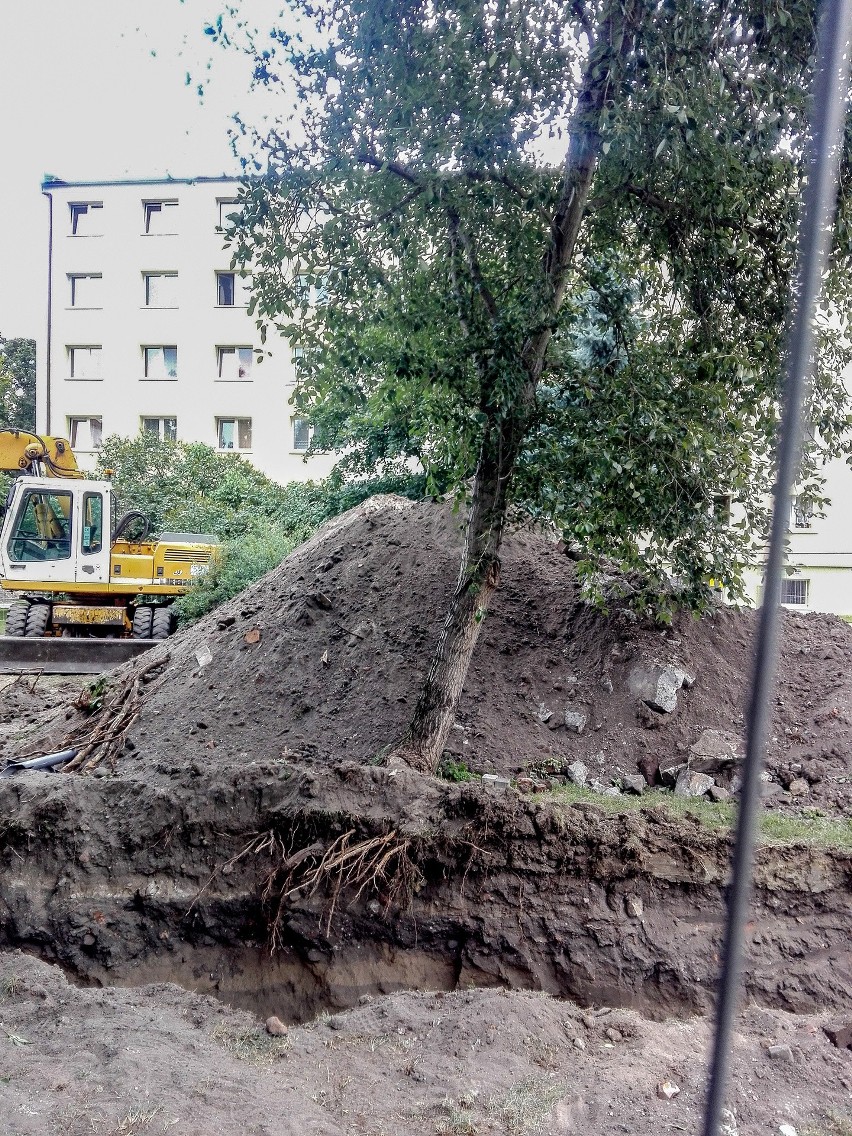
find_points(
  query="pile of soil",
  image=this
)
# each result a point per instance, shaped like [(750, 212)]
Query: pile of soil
[(251, 840)]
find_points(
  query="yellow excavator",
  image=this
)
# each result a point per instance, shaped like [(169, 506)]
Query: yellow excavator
[(80, 572)]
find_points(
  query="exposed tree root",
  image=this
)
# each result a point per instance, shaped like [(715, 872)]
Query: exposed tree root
[(381, 863), (101, 738)]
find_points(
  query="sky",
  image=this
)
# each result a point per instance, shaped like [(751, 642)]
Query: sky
[(95, 90)]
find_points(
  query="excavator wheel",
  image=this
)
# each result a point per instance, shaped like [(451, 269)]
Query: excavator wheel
[(38, 618), (16, 618), (143, 618), (163, 623)]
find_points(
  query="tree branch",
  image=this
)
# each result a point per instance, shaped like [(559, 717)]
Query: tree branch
[(392, 167)]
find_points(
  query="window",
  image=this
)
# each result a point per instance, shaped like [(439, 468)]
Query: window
[(85, 289), (234, 433), (163, 428), (231, 290), (301, 433), (91, 540), (85, 362), (803, 512), (85, 433), (298, 357), (794, 592), (234, 363), (161, 290), (160, 216), (722, 508), (160, 362), (228, 209), (42, 527), (86, 218), (311, 290)]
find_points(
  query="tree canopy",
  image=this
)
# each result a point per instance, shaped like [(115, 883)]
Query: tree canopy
[(17, 384), (595, 338)]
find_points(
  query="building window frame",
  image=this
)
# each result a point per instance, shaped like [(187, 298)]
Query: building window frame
[(802, 513), (86, 218), (795, 591), (157, 215), (233, 207), (85, 432), (235, 363), (149, 285), (85, 362), (75, 298), (164, 427), (234, 435), (234, 284), (160, 362), (301, 433)]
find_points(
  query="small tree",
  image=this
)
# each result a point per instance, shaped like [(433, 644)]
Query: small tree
[(17, 384), (598, 341)]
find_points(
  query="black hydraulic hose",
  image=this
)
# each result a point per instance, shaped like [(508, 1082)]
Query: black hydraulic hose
[(829, 99), (46, 762)]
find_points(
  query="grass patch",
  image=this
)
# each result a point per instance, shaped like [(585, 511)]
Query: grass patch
[(524, 1107), (833, 1125), (251, 1044), (814, 830)]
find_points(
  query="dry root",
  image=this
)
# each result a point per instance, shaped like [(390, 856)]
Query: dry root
[(382, 864), (102, 737)]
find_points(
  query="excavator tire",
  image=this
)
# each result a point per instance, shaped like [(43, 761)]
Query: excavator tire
[(162, 623), (16, 618), (38, 618), (143, 618)]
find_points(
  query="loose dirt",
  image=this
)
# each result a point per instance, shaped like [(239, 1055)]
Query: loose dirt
[(251, 839)]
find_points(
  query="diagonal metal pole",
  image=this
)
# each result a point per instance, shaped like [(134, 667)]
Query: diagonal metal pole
[(828, 114)]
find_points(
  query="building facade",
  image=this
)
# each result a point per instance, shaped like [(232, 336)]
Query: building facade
[(147, 328), (819, 552)]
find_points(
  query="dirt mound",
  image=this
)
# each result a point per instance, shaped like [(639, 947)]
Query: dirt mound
[(159, 1059), (322, 660)]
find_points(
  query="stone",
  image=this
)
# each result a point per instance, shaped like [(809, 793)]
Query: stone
[(275, 1027), (634, 906), (667, 1090), (544, 714), (578, 772), (714, 750), (634, 783), (614, 1035), (578, 1043), (718, 794), (798, 787), (658, 685), (691, 784), (670, 768), (841, 1035), (780, 1052), (787, 1130), (554, 722), (575, 720), (728, 1123)]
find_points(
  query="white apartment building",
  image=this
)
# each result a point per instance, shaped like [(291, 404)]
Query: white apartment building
[(147, 328), (819, 552)]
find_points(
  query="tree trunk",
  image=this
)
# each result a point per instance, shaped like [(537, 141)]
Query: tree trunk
[(424, 741)]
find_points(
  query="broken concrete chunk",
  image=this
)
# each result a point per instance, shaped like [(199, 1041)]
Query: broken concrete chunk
[(575, 720), (544, 715), (634, 783), (578, 773), (670, 768), (667, 1090), (493, 781), (718, 794), (657, 685), (692, 784), (780, 1052)]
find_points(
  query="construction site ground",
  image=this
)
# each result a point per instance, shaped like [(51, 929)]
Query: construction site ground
[(532, 952)]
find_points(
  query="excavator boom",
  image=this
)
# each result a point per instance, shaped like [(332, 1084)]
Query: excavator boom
[(22, 452)]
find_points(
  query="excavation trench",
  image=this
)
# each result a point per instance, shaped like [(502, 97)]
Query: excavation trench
[(292, 891)]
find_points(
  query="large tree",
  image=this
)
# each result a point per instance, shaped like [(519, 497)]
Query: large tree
[(596, 339), (17, 384)]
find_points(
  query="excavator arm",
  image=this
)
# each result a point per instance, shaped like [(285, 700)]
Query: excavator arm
[(21, 452)]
